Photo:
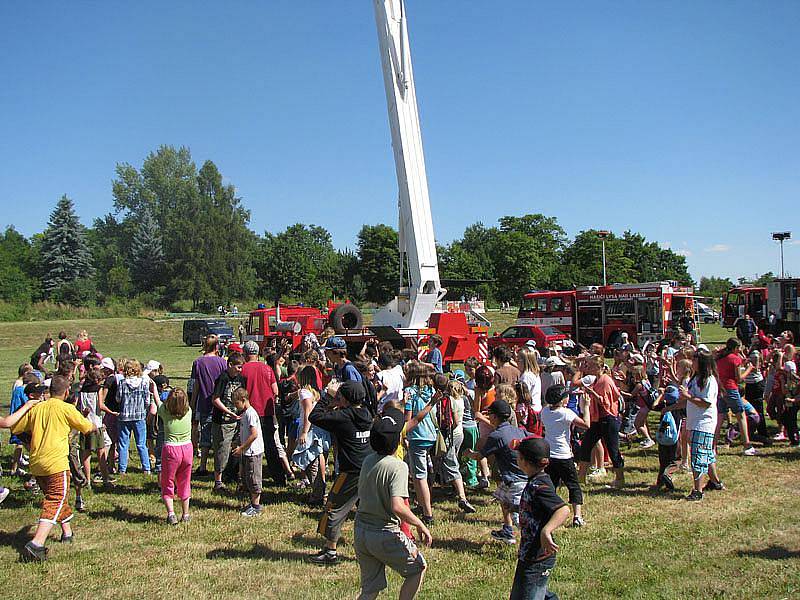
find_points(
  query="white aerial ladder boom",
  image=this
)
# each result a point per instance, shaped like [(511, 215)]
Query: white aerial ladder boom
[(420, 289)]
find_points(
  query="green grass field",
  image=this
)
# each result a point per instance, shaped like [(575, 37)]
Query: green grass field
[(740, 543)]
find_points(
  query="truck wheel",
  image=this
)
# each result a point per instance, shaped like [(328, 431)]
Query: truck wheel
[(346, 317)]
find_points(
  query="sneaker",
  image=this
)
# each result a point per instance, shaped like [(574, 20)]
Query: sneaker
[(733, 434), (34, 553), (578, 522), (172, 519), (251, 511), (466, 506), (186, 518), (24, 460), (427, 519), (19, 472), (617, 484), (780, 437), (219, 487), (67, 539), (695, 495), (751, 451), (80, 505), (666, 480), (504, 536), (324, 557), (483, 483), (4, 492), (685, 468), (647, 443), (714, 486)]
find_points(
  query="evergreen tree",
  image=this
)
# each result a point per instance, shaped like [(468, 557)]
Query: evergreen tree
[(65, 253), (147, 253)]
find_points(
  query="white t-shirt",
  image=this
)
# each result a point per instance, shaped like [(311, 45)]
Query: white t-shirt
[(534, 384), (556, 430), (250, 419), (457, 406), (699, 419), (551, 379), (394, 381)]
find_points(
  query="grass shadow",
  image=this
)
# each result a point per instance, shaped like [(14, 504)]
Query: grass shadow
[(16, 539), (771, 553), (459, 545), (786, 455), (123, 490), (218, 504), (125, 515), (262, 552)]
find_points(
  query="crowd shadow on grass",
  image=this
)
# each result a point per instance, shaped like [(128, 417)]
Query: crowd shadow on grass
[(638, 490), (458, 545), (16, 539), (262, 552), (771, 553), (120, 490), (123, 514), (787, 455)]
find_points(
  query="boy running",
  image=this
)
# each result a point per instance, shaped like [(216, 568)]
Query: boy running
[(49, 424)]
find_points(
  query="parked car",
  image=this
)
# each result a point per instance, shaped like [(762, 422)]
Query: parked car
[(195, 330), (706, 314), (519, 335)]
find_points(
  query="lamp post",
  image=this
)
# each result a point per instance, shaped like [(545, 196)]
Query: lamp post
[(780, 236), (603, 234)]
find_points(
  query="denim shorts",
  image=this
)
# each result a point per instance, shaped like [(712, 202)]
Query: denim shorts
[(205, 430), (730, 399), (418, 460), (531, 578)]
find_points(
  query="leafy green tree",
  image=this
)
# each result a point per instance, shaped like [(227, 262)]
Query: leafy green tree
[(763, 280), (582, 262), (299, 263), (18, 280), (714, 287), (65, 252), (653, 263), (378, 262)]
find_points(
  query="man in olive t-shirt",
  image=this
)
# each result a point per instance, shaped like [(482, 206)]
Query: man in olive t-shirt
[(383, 490)]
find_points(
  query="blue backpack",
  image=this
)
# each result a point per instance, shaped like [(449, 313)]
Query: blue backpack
[(667, 434)]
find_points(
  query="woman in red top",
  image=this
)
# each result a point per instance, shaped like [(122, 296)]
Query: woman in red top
[(729, 362), (83, 343), (605, 421)]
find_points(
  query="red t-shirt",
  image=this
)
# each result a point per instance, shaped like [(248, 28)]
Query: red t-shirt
[(726, 368), (260, 379), (608, 402), (82, 346)]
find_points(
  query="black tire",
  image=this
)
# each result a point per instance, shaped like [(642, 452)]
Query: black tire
[(346, 317)]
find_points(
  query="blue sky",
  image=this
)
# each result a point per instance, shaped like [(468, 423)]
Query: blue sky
[(677, 120)]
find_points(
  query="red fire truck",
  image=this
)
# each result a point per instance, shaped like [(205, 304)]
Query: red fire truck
[(461, 337), (744, 300), (601, 313)]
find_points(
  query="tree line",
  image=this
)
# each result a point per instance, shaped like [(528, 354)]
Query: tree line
[(176, 233)]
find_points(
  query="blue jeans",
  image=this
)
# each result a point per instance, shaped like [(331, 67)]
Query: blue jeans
[(159, 444), (139, 429), (530, 580)]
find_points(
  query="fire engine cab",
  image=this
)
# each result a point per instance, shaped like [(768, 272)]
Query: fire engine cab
[(744, 300), (645, 311)]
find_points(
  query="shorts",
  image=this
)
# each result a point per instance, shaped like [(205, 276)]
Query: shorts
[(91, 442), (223, 435), (450, 469), (418, 460), (376, 550), (732, 400), (702, 443), (205, 430), (509, 494), (250, 472), (55, 506)]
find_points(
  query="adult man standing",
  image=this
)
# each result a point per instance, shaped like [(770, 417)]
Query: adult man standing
[(263, 389), (383, 492), (349, 422), (205, 371), (745, 330)]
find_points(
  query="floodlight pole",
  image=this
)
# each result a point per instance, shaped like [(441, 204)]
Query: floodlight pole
[(780, 236), (603, 235)]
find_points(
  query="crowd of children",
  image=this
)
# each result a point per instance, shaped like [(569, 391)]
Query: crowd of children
[(535, 422)]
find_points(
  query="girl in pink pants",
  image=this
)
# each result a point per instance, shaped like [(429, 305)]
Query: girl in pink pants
[(177, 453)]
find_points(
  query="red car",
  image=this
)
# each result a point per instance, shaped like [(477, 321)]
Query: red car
[(545, 336)]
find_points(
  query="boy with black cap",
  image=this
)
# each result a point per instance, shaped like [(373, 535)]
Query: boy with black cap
[(349, 423), (383, 490), (541, 512), (501, 443)]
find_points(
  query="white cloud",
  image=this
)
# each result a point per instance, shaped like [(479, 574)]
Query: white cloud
[(664, 245), (683, 252), (718, 248)]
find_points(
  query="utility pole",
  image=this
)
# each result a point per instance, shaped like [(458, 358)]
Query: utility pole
[(603, 234), (780, 236)]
